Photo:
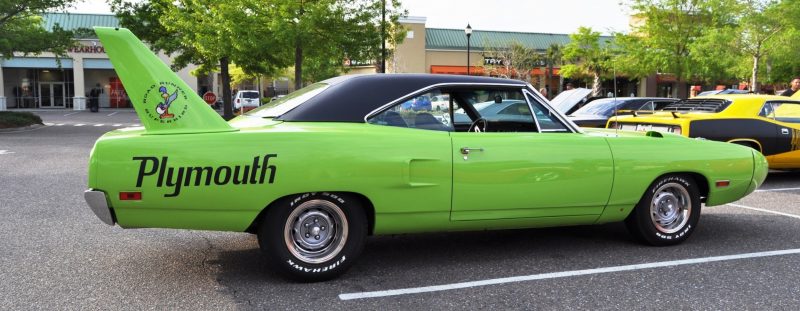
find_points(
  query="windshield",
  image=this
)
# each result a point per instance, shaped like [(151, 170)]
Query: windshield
[(603, 106), (282, 105)]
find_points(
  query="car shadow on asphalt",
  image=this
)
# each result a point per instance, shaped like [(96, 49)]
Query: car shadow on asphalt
[(418, 259)]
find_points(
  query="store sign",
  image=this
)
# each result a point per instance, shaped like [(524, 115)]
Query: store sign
[(357, 63), (91, 49), (492, 61)]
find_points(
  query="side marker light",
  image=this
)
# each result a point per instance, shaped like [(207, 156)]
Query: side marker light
[(130, 196), (723, 183)]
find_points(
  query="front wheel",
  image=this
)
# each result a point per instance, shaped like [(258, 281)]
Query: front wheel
[(313, 236), (667, 213)]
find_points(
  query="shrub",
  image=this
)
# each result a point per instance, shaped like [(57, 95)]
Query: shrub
[(11, 119)]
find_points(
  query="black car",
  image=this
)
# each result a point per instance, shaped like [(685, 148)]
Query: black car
[(597, 112)]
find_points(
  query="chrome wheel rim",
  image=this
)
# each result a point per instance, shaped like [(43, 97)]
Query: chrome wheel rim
[(316, 231), (670, 208)]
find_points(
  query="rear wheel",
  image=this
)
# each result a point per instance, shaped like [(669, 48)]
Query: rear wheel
[(667, 213), (313, 236)]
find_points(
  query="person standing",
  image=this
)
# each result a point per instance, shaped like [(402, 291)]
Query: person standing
[(543, 91), (795, 85), (94, 98)]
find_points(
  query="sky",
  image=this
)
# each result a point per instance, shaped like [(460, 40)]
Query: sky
[(545, 16)]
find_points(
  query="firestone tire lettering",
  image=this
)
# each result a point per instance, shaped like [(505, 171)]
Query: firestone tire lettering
[(641, 223), (274, 242)]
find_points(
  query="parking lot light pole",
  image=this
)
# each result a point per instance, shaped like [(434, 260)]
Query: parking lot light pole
[(468, 31)]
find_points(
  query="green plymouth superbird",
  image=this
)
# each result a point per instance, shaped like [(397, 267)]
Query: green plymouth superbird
[(314, 173)]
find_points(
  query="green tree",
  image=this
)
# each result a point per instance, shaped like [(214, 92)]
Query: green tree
[(690, 39), (212, 34), (552, 57), (323, 33), (22, 28), (761, 27), (586, 57), (259, 36), (516, 61)]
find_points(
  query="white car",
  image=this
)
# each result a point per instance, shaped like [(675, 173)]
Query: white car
[(246, 99)]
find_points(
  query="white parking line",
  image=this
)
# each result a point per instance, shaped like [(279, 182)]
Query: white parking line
[(69, 114), (80, 124), (764, 210), (117, 124), (113, 113), (564, 274), (101, 124), (60, 124), (48, 124), (777, 189)]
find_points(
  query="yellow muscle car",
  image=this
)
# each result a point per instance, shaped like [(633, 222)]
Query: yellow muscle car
[(769, 124)]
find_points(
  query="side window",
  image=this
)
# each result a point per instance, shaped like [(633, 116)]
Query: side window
[(548, 122), (768, 111), (491, 110), (428, 111), (782, 111), (649, 106)]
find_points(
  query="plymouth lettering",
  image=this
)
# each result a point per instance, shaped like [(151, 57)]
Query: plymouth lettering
[(177, 177)]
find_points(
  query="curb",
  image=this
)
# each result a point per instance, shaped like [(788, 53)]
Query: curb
[(21, 129)]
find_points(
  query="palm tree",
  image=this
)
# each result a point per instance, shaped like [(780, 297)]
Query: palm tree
[(552, 57)]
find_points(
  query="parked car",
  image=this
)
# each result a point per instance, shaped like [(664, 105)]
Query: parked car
[(724, 91), (419, 103), (246, 99), (767, 123), (597, 112), (568, 101), (342, 159)]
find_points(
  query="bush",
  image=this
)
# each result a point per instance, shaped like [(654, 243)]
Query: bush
[(11, 119)]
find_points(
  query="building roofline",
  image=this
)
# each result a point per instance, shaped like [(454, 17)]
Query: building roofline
[(413, 20)]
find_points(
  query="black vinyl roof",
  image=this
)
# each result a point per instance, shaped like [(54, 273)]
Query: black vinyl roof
[(351, 98)]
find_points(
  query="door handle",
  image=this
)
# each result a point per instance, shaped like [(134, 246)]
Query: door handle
[(784, 131), (467, 150)]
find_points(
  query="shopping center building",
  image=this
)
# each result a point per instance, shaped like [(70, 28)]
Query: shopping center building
[(43, 81), (445, 51), (47, 82)]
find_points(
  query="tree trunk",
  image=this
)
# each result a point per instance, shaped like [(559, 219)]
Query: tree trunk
[(227, 104), (596, 85), (298, 64), (754, 79)]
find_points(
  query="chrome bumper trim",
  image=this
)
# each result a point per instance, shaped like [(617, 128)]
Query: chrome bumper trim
[(99, 205)]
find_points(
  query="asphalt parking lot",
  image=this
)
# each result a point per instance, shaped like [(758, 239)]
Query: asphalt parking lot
[(55, 254)]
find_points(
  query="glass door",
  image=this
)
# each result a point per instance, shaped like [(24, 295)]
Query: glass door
[(51, 95), (58, 95)]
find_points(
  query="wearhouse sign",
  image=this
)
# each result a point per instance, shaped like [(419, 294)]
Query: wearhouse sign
[(92, 49)]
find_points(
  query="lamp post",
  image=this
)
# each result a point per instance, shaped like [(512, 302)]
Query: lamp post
[(468, 31)]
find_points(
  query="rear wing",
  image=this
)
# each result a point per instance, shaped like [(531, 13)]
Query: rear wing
[(164, 103)]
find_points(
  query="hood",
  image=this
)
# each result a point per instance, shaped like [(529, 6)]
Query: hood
[(566, 100)]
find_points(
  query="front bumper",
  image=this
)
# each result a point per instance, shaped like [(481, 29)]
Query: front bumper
[(99, 205)]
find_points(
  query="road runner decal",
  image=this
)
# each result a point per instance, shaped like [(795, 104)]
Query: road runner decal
[(162, 97), (177, 177)]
